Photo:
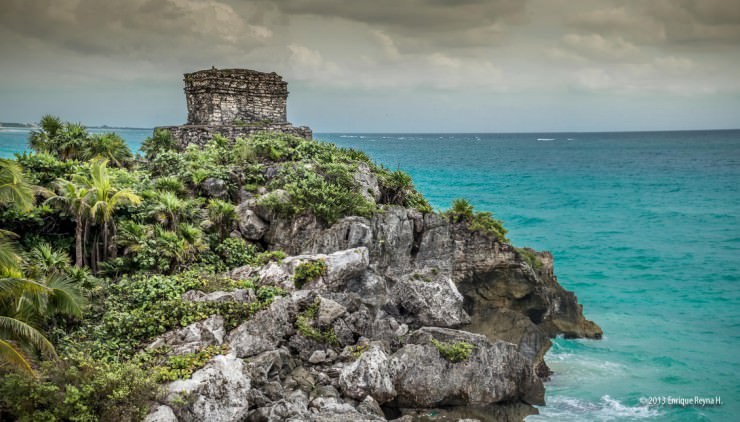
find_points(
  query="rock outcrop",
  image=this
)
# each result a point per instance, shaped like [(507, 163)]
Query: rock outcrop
[(410, 311)]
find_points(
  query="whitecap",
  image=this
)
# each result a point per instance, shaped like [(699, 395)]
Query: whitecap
[(564, 408), (545, 139)]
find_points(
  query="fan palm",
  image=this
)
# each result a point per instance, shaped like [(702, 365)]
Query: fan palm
[(72, 141), (46, 138), (14, 189), (104, 199), (169, 210), (107, 146), (221, 216)]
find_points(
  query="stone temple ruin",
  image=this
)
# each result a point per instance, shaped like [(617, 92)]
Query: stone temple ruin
[(234, 103)]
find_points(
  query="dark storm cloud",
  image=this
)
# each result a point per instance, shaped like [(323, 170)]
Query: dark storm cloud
[(678, 23), (146, 29), (420, 23)]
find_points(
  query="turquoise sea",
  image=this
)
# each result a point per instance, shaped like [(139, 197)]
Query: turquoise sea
[(644, 227)]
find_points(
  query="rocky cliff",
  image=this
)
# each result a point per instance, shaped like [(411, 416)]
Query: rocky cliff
[(385, 317)]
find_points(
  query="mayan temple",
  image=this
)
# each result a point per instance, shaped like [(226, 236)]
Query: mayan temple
[(234, 103)]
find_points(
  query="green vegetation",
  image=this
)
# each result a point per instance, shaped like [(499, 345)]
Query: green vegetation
[(530, 257), (484, 222), (454, 352), (308, 271), (306, 322), (97, 248), (170, 368)]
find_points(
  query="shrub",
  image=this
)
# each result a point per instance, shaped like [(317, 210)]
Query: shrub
[(236, 252), (182, 366), (395, 187), (79, 388), (308, 271), (530, 257), (161, 141), (454, 352), (265, 257), (312, 193), (462, 212)]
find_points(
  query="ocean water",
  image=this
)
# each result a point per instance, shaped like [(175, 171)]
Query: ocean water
[(644, 228)]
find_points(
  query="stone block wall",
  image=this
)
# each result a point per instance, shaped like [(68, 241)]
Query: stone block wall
[(201, 134), (235, 97)]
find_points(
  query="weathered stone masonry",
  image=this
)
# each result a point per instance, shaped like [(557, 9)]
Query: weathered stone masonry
[(234, 103)]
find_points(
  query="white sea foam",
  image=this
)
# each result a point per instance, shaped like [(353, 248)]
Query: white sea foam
[(563, 408), (545, 139)]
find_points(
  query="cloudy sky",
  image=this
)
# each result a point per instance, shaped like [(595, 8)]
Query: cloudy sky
[(384, 65)]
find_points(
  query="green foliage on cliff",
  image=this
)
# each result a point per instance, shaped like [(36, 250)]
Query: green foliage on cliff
[(308, 271), (97, 249), (482, 221), (306, 321), (454, 352)]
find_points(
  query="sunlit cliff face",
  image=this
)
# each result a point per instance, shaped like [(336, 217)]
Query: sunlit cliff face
[(429, 65)]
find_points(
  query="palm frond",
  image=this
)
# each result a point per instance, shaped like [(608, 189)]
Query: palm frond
[(11, 355), (19, 330)]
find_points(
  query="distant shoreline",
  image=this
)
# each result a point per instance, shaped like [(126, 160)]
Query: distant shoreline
[(34, 126)]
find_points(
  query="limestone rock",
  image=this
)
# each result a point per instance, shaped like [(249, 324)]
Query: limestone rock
[(368, 375), (431, 300), (194, 337), (251, 226), (329, 311), (495, 372), (218, 391), (367, 182), (238, 295), (161, 413), (266, 330), (215, 188)]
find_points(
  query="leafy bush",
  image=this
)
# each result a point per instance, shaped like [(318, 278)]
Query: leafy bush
[(462, 212), (44, 168), (235, 252), (182, 366), (78, 388), (311, 193), (161, 141), (308, 271), (454, 352)]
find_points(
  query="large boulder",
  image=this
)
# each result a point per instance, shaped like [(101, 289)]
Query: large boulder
[(161, 413), (194, 337), (341, 267), (215, 188), (494, 372), (429, 300), (368, 376), (251, 226), (266, 330), (214, 393)]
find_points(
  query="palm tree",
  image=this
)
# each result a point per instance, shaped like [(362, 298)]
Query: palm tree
[(221, 215), (45, 139), (107, 146), (169, 210), (72, 141), (103, 199), (161, 140), (14, 189), (74, 200), (43, 260)]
